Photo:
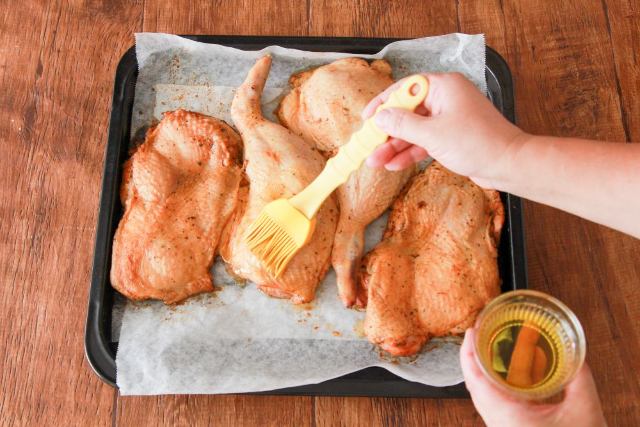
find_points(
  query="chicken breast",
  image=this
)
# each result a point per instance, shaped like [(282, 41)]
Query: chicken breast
[(436, 266), (279, 164), (179, 189), (324, 107)]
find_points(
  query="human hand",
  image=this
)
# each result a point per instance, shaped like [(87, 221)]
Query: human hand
[(456, 125), (580, 406)]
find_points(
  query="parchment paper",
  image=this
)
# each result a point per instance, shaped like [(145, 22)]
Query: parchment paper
[(238, 339)]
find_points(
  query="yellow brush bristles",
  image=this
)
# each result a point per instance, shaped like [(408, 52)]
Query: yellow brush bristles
[(271, 244)]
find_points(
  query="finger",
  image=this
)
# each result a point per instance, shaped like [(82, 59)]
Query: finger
[(370, 108), (484, 394), (422, 110), (398, 145), (470, 370), (583, 386), (403, 124), (383, 96), (379, 99), (409, 157), (381, 156), (494, 405), (387, 151), (581, 397)]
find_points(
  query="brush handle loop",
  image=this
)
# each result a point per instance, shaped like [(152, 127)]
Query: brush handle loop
[(409, 95), (363, 142)]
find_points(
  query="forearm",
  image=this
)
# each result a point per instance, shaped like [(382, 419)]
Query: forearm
[(595, 180)]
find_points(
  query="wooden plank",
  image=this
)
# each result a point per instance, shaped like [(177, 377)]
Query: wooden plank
[(246, 17), (362, 411), (57, 82), (484, 17), (565, 79), (404, 18), (229, 410), (565, 84), (623, 23)]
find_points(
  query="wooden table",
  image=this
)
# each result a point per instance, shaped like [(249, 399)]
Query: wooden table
[(576, 71)]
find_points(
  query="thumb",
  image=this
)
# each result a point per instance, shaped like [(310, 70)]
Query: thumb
[(581, 398), (403, 124), (582, 385)]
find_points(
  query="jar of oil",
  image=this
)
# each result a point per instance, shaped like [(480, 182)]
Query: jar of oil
[(529, 344)]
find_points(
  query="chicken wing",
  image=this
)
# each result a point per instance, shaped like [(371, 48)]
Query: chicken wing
[(324, 107), (179, 189), (279, 164), (436, 266)]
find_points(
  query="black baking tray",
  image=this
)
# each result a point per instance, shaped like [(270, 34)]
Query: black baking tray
[(100, 348)]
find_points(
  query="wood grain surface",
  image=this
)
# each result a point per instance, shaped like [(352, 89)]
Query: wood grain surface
[(576, 72)]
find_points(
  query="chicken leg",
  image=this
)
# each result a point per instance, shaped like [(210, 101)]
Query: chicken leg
[(279, 164)]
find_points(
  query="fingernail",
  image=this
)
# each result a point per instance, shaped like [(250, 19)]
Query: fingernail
[(382, 118), (370, 163)]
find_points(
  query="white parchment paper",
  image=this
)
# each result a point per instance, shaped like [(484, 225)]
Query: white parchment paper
[(238, 339)]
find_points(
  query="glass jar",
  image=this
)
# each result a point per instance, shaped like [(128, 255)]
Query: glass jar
[(538, 313)]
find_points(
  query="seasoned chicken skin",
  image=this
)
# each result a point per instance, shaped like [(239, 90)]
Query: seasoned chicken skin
[(279, 164), (178, 190), (436, 266), (324, 107)]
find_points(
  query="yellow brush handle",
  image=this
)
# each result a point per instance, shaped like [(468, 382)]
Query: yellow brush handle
[(362, 143)]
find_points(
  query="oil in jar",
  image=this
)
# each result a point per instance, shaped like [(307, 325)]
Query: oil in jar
[(523, 355)]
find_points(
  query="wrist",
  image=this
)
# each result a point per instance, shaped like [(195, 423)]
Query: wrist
[(504, 175)]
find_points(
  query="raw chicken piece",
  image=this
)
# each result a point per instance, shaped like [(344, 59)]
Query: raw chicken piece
[(178, 190), (436, 266), (324, 106), (279, 164)]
